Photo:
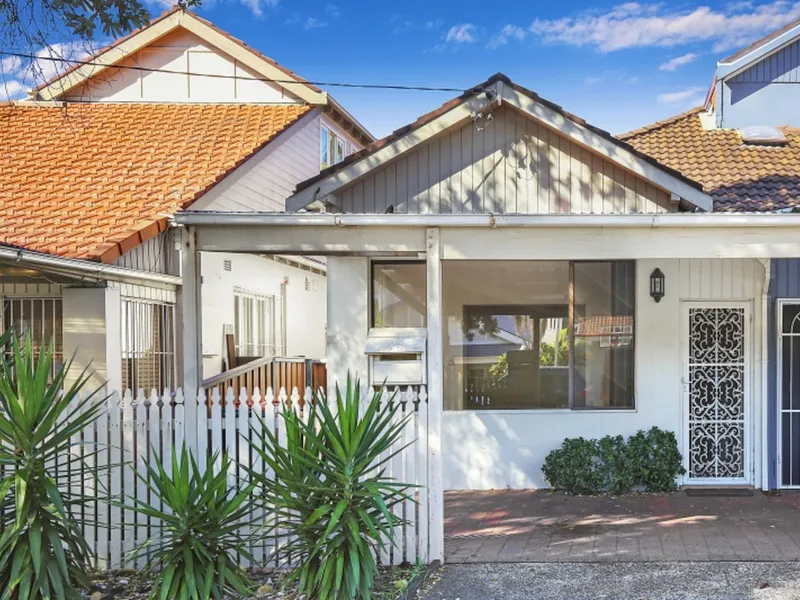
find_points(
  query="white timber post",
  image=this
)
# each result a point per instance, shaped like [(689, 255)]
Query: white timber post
[(435, 397), (191, 334)]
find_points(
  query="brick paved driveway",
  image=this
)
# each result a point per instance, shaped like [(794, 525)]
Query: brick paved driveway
[(539, 526)]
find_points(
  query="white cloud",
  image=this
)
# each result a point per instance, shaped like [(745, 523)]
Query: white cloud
[(10, 64), (12, 90), (463, 33), (314, 23), (333, 10), (679, 61), (257, 6), (508, 32), (690, 93), (635, 25), (56, 58)]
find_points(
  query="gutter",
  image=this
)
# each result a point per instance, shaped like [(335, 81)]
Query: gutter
[(76, 267), (726, 220)]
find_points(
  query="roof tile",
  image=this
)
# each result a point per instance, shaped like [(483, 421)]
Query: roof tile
[(739, 177), (79, 180)]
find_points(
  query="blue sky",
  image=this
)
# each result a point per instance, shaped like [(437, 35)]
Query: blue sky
[(619, 66)]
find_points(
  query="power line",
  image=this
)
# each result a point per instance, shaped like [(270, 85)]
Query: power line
[(372, 86)]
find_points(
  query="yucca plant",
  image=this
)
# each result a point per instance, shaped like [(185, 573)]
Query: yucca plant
[(197, 552), (43, 553), (330, 491)]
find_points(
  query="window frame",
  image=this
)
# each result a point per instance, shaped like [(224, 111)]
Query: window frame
[(132, 311), (260, 321), (571, 366), (371, 292)]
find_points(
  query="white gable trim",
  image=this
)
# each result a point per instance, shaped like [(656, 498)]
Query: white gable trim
[(726, 70), (160, 28), (610, 150)]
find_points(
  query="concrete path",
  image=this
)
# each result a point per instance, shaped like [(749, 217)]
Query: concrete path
[(619, 581), (531, 526)]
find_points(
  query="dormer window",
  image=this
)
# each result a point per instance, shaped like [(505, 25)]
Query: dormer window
[(332, 148), (763, 135)]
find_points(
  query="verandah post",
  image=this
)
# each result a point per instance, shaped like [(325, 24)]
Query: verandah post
[(191, 333), (435, 397)]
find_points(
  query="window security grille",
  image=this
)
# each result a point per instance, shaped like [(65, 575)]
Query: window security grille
[(148, 345)]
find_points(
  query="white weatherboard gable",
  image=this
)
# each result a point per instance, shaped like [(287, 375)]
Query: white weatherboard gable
[(612, 151), (246, 63)]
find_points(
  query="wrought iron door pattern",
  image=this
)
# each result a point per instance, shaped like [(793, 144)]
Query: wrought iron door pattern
[(716, 392)]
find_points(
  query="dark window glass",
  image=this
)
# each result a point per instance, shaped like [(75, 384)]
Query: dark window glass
[(508, 343), (399, 294)]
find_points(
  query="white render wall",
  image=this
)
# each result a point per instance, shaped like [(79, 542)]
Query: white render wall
[(306, 309), (92, 335), (506, 449)]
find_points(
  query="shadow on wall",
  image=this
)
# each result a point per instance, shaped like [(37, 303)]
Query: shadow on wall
[(489, 452)]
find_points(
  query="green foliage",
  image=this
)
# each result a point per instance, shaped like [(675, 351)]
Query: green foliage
[(197, 548), (43, 553), (657, 459), (648, 461), (575, 467), (331, 491)]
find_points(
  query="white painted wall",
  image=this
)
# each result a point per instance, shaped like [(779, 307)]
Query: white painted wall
[(348, 317), (183, 51), (305, 308), (92, 334), (500, 449)]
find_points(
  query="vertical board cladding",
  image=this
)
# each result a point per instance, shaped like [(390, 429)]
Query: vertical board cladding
[(766, 93), (511, 164), (784, 284)]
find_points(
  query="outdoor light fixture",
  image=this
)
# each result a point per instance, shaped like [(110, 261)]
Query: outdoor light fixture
[(657, 285)]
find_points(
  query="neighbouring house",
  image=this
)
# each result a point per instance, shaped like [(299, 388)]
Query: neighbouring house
[(743, 145), (97, 160), (499, 226)]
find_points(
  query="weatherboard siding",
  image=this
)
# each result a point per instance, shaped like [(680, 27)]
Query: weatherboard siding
[(766, 93), (784, 284), (513, 165)]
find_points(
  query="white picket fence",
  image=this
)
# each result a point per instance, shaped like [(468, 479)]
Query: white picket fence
[(123, 440)]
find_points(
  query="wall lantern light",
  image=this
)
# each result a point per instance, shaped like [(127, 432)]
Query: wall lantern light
[(657, 285)]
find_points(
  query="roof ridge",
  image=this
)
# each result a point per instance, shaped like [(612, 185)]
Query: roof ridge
[(760, 42), (660, 124)]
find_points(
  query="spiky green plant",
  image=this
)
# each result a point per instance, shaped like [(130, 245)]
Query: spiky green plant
[(330, 490), (43, 553), (196, 551)]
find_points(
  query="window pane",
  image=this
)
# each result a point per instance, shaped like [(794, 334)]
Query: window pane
[(506, 342), (399, 294), (603, 341), (323, 148)]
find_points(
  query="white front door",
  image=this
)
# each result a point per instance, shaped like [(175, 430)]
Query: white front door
[(716, 378)]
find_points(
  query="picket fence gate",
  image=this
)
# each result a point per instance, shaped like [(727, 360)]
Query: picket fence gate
[(122, 442)]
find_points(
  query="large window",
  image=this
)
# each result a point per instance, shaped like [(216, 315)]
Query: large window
[(399, 294), (538, 334), (254, 324), (148, 345)]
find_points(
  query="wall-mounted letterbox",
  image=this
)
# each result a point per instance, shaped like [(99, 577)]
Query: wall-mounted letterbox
[(397, 356)]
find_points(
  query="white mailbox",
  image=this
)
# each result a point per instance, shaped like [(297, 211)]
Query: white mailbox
[(397, 356)]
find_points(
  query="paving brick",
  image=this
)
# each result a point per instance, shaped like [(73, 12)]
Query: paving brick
[(532, 526)]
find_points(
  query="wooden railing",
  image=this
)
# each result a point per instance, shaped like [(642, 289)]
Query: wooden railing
[(274, 373)]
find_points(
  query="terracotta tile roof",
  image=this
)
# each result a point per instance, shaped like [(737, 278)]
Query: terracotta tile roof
[(94, 180), (738, 176)]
